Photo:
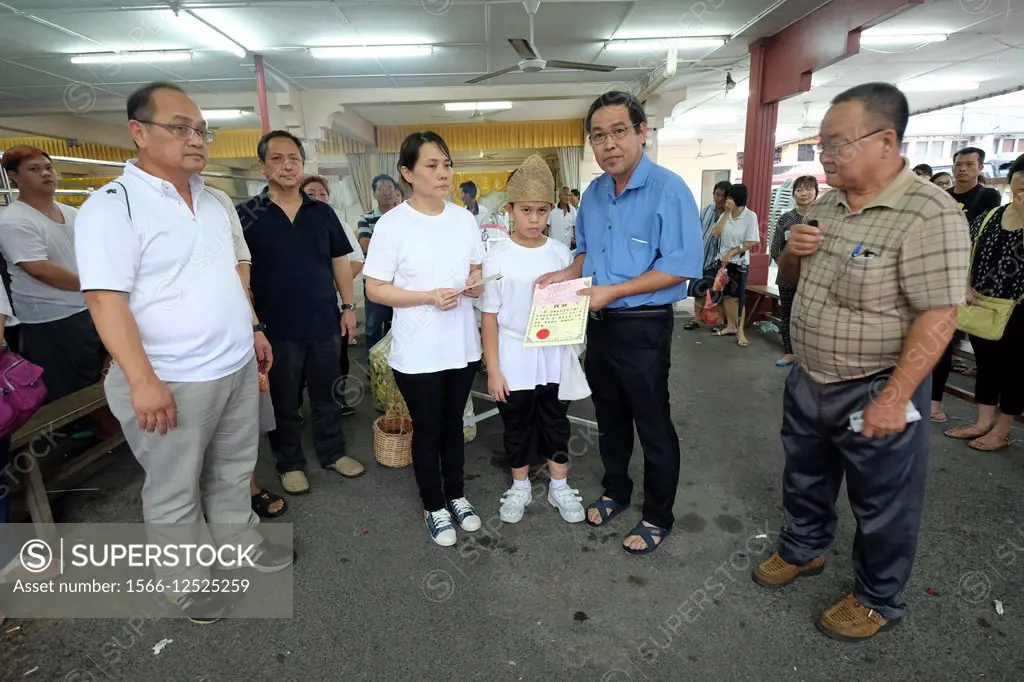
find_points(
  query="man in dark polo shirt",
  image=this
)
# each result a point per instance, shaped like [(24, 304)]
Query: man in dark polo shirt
[(638, 235), (298, 263), (972, 196)]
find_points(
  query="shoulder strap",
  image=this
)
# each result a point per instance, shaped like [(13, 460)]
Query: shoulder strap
[(974, 245), (126, 202)]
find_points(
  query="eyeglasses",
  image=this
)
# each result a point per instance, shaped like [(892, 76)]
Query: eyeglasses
[(615, 133), (837, 149), (183, 132)]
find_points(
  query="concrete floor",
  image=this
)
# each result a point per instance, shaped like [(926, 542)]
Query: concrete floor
[(542, 600)]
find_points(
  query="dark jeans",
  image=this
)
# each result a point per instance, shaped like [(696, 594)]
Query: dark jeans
[(536, 426), (627, 365), (8, 545), (378, 321), (1001, 367), (736, 287), (436, 401), (940, 374), (345, 366), (69, 351), (885, 481), (315, 362), (786, 296)]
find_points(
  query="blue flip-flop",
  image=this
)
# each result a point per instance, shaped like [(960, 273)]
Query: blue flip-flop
[(652, 535), (608, 509), (783, 363)]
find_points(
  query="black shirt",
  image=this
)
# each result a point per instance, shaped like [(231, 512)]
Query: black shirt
[(977, 201), (995, 269), (292, 276)]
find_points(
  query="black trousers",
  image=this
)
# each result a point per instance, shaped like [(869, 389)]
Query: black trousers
[(345, 366), (436, 401), (627, 365), (315, 362), (786, 296), (536, 425), (69, 350), (885, 481), (940, 375), (1001, 367)]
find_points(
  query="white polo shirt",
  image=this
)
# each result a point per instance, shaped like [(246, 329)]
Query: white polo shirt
[(27, 235), (177, 267)]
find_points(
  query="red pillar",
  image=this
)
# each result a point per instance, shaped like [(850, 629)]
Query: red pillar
[(780, 67), (261, 92)]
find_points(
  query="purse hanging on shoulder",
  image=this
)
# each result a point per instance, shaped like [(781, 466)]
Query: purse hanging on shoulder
[(22, 391), (987, 317)]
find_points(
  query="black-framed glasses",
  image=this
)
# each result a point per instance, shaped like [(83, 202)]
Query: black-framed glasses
[(837, 149), (616, 133), (182, 131)]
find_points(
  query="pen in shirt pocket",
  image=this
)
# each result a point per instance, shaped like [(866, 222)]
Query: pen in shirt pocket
[(638, 241)]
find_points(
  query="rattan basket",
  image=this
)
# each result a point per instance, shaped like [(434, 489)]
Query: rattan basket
[(392, 440)]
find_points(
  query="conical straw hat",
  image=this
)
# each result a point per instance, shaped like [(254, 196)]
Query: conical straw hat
[(532, 182)]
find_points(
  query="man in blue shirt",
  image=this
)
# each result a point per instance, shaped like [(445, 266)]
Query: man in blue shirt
[(638, 236)]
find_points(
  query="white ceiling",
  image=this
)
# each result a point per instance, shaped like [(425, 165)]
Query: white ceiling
[(39, 36)]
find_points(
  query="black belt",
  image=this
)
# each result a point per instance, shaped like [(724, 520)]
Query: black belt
[(639, 311)]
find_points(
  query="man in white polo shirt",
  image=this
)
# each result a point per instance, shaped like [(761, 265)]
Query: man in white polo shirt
[(157, 265)]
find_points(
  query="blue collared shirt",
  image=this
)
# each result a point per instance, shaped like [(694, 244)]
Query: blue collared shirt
[(652, 225)]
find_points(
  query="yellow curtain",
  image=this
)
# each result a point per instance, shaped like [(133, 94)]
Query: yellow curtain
[(490, 136), (57, 147), (486, 182)]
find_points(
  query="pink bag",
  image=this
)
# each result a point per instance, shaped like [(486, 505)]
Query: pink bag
[(22, 391)]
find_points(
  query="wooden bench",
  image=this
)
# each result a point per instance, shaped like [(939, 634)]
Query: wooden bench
[(35, 440), (761, 292)]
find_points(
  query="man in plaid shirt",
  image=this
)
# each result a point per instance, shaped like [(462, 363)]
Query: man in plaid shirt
[(880, 268)]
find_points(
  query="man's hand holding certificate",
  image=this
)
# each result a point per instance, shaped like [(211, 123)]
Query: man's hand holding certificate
[(559, 314)]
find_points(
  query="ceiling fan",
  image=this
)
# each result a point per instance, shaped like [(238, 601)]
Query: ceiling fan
[(807, 128), (531, 61), (702, 155)]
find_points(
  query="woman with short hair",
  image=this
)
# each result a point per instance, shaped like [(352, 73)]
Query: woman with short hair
[(737, 233), (805, 192), (423, 254), (943, 180)]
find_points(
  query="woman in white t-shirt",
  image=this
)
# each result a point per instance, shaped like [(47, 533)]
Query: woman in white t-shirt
[(738, 233), (423, 253), (524, 381)]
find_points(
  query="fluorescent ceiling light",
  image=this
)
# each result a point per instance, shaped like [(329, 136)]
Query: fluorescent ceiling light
[(874, 38), (938, 84), (371, 51), (657, 44), (122, 57), (193, 24), (223, 114), (476, 106)]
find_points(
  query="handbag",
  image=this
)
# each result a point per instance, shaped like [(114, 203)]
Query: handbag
[(987, 317), (22, 391)]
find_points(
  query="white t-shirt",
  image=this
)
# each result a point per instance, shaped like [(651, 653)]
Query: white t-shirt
[(736, 232), (178, 268), (419, 252), (27, 235), (561, 225), (511, 297)]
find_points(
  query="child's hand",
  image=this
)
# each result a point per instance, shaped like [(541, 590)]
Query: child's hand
[(496, 386)]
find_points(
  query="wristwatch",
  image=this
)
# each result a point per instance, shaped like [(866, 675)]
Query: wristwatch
[(259, 328), (348, 306)]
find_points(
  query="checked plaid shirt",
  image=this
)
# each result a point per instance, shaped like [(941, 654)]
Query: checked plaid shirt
[(904, 253)]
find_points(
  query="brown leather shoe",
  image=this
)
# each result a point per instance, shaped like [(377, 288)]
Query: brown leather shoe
[(851, 621), (776, 571), (348, 467)]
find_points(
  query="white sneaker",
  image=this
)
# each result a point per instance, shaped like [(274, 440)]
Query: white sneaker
[(568, 502), (513, 504), (464, 513), (439, 525)]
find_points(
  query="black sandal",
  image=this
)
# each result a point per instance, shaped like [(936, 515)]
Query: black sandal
[(264, 500), (692, 324)]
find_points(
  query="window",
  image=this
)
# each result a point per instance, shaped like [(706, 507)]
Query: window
[(938, 148), (903, 148), (805, 152), (1008, 146), (921, 150)]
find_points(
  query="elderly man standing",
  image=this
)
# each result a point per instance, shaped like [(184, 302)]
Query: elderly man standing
[(157, 265), (638, 236), (880, 268)]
